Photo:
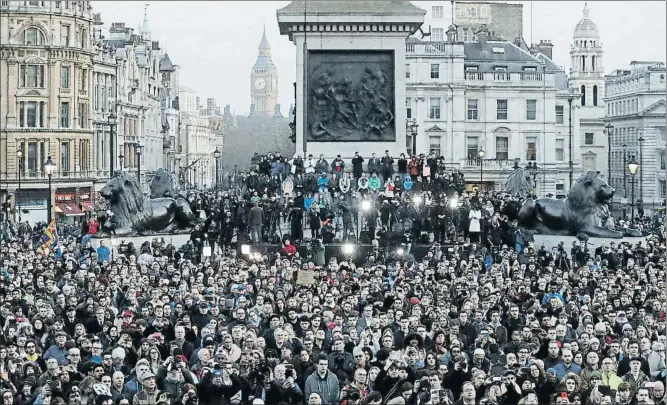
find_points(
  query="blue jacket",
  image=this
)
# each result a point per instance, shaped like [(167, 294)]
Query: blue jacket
[(562, 369), (407, 184), (57, 353)]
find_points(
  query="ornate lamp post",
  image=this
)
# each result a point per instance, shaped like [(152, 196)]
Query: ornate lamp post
[(533, 170), (625, 170), (608, 130), (569, 102), (217, 155), (633, 165), (480, 155), (112, 120), (412, 127), (19, 156), (138, 153), (49, 169), (121, 160), (641, 163)]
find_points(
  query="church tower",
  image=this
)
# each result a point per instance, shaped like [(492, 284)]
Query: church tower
[(586, 69), (587, 79), (263, 82)]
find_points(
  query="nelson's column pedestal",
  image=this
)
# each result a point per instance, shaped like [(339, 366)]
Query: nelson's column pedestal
[(350, 74)]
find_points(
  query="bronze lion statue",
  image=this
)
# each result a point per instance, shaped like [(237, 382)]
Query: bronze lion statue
[(164, 184), (577, 214), (134, 213), (519, 183)]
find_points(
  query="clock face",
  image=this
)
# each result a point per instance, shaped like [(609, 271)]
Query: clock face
[(260, 83)]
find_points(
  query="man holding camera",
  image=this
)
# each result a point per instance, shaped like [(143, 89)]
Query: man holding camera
[(356, 390), (282, 388)]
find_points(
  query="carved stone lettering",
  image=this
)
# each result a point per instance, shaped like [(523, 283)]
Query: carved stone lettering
[(350, 96)]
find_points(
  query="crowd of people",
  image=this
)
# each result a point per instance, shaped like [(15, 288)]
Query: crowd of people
[(485, 317)]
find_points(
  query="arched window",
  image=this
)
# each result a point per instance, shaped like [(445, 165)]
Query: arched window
[(585, 44), (595, 95), (583, 63), (32, 36), (583, 95), (592, 63)]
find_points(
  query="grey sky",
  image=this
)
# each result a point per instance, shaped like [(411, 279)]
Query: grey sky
[(215, 42)]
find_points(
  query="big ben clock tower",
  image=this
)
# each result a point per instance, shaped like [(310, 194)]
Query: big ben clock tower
[(263, 82)]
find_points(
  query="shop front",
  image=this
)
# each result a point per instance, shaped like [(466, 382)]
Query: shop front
[(31, 206)]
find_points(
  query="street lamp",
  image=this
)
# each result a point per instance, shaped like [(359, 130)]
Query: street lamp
[(532, 169), (633, 165), (19, 156), (49, 168), (121, 160), (112, 120), (194, 169), (569, 118), (412, 126), (217, 155), (625, 172), (480, 155), (138, 148), (607, 129)]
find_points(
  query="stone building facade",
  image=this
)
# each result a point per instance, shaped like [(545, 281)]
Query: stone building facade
[(636, 107), (46, 59)]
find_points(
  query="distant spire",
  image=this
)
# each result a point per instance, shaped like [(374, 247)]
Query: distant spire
[(264, 43), (587, 13), (145, 32)]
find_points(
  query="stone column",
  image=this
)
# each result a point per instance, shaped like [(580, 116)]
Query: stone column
[(54, 85), (13, 84)]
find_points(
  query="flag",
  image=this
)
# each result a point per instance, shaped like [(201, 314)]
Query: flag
[(48, 238)]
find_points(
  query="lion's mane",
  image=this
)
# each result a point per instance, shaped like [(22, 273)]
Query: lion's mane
[(129, 205)]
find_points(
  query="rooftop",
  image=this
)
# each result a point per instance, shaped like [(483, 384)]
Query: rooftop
[(335, 7)]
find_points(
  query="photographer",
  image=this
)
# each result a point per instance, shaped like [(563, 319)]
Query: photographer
[(340, 361), (357, 390), (283, 386), (218, 385)]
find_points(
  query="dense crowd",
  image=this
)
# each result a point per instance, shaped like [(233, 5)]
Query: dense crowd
[(485, 317)]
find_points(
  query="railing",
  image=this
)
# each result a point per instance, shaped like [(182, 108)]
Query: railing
[(506, 77), (474, 76), (431, 48), (491, 164), (39, 176)]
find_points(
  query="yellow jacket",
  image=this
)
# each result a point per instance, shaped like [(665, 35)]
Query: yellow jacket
[(611, 380)]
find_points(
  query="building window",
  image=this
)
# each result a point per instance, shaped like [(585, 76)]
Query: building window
[(408, 107), (435, 71), (32, 76), (28, 114), (663, 160), (82, 116), (531, 110), (588, 138), (84, 80), (502, 147), (64, 115), (472, 147), (560, 150), (96, 97), (434, 110), (559, 114), (531, 148), (64, 77), (595, 96), (472, 12), (663, 189), (592, 63), (583, 95), (407, 70), (32, 36), (32, 158), (42, 113), (437, 34), (437, 11), (472, 109), (583, 63), (64, 158), (64, 35), (434, 145), (501, 109)]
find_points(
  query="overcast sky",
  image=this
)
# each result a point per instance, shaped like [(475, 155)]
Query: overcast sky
[(216, 42)]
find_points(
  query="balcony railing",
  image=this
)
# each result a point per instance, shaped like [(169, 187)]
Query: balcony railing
[(507, 78), (491, 164), (39, 176)]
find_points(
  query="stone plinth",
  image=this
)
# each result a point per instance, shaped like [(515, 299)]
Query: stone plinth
[(350, 74)]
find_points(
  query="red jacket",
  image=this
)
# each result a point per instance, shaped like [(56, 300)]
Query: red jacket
[(289, 250)]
